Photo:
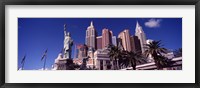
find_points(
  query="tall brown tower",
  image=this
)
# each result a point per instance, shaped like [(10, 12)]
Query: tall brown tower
[(106, 37)]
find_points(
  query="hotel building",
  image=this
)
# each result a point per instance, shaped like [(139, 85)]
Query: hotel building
[(141, 35), (99, 42), (124, 37), (102, 60), (135, 44), (91, 36), (106, 38), (114, 40)]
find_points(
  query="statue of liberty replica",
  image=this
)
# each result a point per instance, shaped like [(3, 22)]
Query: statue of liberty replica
[(68, 43), (64, 60)]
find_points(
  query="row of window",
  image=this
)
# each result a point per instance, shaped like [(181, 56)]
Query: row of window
[(88, 33)]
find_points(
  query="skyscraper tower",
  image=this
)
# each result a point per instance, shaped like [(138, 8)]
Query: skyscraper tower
[(106, 37), (135, 44), (114, 40), (99, 42), (124, 37), (141, 35), (91, 36)]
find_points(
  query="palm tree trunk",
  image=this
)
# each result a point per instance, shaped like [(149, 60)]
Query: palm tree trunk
[(117, 65), (157, 65), (133, 66), (156, 61)]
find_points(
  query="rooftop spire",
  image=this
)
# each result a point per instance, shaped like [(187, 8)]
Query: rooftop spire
[(137, 25), (91, 23)]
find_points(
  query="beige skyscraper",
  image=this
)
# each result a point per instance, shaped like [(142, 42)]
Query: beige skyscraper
[(114, 40), (141, 35), (124, 36), (91, 36)]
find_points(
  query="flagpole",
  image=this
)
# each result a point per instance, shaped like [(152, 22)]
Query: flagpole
[(45, 62), (23, 65), (44, 57)]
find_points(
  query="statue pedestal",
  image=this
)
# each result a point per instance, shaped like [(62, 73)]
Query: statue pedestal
[(60, 64)]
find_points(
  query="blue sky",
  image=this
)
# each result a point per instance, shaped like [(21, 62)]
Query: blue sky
[(35, 35)]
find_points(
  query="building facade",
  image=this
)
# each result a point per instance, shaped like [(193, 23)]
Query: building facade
[(135, 44), (90, 61), (90, 39), (99, 42), (148, 41), (106, 37), (124, 38), (81, 51), (102, 60), (141, 35), (114, 40)]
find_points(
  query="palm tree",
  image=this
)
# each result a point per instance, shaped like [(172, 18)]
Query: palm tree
[(133, 58), (165, 62), (178, 52), (155, 50), (114, 54), (122, 62)]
